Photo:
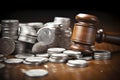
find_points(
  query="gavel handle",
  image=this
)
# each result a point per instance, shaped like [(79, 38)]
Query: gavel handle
[(107, 37)]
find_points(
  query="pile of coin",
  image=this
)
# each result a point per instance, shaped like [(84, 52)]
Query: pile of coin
[(56, 33), (102, 55)]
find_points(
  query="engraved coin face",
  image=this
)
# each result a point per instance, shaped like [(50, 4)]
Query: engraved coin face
[(46, 35), (7, 46)]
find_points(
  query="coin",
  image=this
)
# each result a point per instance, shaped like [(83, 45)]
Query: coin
[(36, 72), (7, 46)]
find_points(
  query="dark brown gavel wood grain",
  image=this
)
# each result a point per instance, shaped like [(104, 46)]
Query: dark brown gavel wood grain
[(86, 33)]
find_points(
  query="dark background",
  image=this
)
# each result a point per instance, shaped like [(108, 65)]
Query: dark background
[(45, 11)]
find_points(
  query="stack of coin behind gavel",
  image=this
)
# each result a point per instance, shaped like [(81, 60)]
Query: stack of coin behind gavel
[(85, 33)]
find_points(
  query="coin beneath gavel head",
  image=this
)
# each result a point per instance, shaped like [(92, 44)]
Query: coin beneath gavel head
[(86, 32)]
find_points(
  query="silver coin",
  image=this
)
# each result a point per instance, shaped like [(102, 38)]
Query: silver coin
[(39, 47), (46, 35), (102, 55), (24, 55), (80, 63), (46, 55), (62, 20), (13, 60), (36, 72), (56, 60), (28, 39), (86, 58), (36, 59), (59, 56), (7, 46), (56, 50), (36, 25), (71, 52)]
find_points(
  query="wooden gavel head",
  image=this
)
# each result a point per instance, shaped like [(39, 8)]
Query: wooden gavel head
[(84, 33)]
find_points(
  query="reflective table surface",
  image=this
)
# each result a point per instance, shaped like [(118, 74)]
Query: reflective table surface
[(96, 70)]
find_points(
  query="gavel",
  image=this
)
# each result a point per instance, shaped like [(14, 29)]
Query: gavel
[(85, 34)]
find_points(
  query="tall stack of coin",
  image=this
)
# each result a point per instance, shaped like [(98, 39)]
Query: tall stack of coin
[(9, 28), (27, 37), (63, 30), (20, 46)]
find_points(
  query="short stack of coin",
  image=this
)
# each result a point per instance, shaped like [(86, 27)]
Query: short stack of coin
[(58, 58), (102, 55), (73, 54), (77, 63), (9, 28)]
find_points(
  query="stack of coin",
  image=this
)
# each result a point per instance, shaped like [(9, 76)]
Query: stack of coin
[(20, 47), (64, 28), (59, 58), (55, 50), (102, 55), (9, 28), (35, 25), (77, 63), (27, 34), (73, 54), (66, 22), (87, 58), (63, 36)]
